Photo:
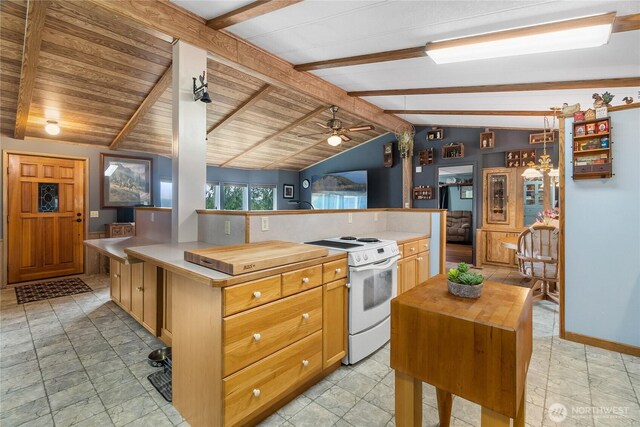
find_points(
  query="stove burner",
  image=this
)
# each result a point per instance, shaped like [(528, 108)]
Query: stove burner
[(348, 238), (368, 239)]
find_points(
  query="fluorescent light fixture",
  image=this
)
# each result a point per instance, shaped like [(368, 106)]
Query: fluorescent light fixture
[(579, 33), (334, 140), (52, 127), (110, 170)]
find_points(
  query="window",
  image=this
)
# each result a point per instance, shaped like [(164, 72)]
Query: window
[(234, 197), (212, 195), (166, 193), (263, 197)]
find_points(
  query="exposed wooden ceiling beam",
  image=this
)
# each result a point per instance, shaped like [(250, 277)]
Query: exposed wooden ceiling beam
[(620, 24), (229, 50), (155, 93), (260, 94), (281, 132), (474, 112), (517, 87), (36, 12), (252, 10), (391, 55), (296, 153), (626, 23)]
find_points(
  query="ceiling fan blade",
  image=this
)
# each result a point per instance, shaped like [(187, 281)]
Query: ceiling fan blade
[(322, 125), (313, 134), (360, 128), (345, 138)]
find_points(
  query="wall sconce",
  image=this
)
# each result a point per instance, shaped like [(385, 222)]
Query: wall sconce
[(200, 92)]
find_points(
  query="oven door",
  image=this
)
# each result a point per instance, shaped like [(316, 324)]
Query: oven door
[(372, 288)]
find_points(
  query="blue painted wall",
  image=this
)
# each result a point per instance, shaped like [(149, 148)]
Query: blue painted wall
[(602, 241), (384, 186)]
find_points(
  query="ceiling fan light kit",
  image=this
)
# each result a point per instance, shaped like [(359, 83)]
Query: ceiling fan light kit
[(334, 140), (52, 127), (337, 132), (579, 33)]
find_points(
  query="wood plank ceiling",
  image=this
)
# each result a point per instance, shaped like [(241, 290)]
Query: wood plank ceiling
[(95, 70)]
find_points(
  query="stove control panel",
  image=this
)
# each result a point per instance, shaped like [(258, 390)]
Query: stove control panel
[(373, 255)]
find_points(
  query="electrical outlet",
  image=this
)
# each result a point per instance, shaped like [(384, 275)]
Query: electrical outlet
[(375, 216), (227, 227), (94, 214), (265, 223), (418, 169), (153, 217), (350, 217)]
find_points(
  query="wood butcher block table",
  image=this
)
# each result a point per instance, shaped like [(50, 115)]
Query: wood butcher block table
[(478, 349)]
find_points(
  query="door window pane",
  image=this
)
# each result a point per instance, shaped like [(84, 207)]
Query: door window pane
[(47, 197), (263, 197), (234, 197)]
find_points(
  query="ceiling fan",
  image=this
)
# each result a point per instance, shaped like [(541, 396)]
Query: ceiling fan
[(337, 132)]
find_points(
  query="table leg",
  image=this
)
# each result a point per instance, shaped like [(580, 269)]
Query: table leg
[(408, 401), (445, 402), (519, 420), (494, 419)]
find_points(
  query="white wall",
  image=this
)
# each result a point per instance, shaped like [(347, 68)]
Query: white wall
[(602, 243)]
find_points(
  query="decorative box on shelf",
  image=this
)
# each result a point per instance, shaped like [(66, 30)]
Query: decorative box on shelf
[(592, 149), (487, 140), (423, 192), (454, 150), (519, 158), (120, 229), (426, 157), (435, 134)]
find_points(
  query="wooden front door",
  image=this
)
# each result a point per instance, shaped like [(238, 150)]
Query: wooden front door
[(45, 217)]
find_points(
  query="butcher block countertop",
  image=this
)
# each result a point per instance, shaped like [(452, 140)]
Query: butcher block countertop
[(170, 256)]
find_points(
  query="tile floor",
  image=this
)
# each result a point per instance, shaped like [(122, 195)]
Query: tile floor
[(81, 360)]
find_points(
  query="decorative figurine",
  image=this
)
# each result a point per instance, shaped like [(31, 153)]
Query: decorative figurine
[(628, 99)]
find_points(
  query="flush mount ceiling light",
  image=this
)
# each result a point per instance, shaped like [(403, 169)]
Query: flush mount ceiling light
[(52, 127), (579, 33), (200, 92), (334, 140)]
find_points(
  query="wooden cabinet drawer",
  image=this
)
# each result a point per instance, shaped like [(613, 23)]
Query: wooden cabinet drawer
[(250, 294), (300, 280), (424, 245), (251, 335), (410, 248), (334, 270), (256, 386)]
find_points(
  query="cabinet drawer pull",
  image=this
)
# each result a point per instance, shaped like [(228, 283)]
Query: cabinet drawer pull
[(338, 270), (256, 392), (305, 363), (256, 337), (412, 249), (116, 275), (257, 294), (139, 289), (305, 280), (305, 316)]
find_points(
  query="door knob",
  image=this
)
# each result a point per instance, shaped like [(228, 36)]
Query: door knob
[(78, 220), (78, 214)]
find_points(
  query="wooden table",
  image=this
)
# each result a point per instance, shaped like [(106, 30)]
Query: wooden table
[(478, 349), (510, 242)]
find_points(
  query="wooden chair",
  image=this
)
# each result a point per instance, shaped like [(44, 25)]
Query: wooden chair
[(537, 256)]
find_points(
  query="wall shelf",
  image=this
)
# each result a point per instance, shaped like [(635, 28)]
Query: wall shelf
[(592, 157)]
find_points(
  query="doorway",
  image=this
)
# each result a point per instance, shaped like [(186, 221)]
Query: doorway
[(45, 216), (455, 185)]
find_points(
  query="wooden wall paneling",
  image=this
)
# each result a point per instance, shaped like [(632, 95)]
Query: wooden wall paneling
[(249, 11), (144, 108), (35, 18)]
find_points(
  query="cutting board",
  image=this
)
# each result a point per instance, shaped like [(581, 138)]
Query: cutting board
[(248, 257)]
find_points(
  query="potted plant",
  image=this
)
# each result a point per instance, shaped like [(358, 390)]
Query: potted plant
[(463, 283)]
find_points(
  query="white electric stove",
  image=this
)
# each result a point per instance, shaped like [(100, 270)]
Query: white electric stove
[(373, 278)]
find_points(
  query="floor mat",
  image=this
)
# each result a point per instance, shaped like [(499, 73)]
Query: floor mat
[(51, 289)]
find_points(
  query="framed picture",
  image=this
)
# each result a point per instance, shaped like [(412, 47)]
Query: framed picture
[(125, 181), (466, 191), (287, 191)]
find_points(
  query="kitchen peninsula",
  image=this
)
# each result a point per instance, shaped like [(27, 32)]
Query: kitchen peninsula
[(246, 344)]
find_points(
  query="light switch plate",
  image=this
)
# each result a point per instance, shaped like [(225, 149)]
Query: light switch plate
[(265, 223), (418, 169), (94, 214), (350, 217), (375, 216), (227, 227)]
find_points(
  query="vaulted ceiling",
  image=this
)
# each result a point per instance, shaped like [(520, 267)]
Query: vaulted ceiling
[(102, 69)]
